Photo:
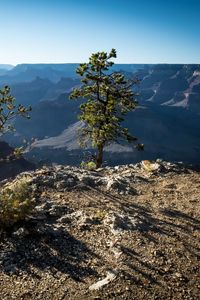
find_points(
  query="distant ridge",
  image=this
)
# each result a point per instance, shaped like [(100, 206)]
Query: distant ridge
[(6, 66), (53, 72), (166, 121)]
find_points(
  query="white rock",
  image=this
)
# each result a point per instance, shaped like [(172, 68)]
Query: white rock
[(111, 275)]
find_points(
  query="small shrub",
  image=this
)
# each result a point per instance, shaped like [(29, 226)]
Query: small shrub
[(150, 166), (100, 215), (16, 202), (89, 165)]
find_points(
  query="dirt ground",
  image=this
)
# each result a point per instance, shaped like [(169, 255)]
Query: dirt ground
[(148, 242)]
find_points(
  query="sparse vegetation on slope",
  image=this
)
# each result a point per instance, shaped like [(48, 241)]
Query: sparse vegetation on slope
[(16, 202), (128, 232)]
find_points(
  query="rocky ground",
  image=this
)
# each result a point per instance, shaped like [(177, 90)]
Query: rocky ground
[(128, 232)]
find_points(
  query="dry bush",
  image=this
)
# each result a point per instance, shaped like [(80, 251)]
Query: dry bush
[(16, 201)]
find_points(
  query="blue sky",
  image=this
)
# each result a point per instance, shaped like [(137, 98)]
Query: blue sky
[(59, 31)]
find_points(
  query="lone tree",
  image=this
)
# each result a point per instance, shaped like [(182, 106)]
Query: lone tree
[(109, 98), (9, 110)]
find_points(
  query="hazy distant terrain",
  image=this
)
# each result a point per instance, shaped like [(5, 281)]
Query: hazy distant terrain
[(4, 69), (166, 121)]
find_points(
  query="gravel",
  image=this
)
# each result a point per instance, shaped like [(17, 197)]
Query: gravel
[(137, 239)]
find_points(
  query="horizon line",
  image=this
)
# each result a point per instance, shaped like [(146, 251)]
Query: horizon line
[(119, 63)]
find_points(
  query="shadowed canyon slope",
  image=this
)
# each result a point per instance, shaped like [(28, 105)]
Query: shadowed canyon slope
[(166, 121)]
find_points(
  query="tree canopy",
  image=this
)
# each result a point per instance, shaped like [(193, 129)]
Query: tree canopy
[(9, 110), (109, 97)]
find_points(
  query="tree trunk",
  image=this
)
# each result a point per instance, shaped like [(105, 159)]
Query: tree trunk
[(99, 157)]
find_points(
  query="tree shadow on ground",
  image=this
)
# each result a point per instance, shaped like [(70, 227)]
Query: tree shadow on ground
[(189, 224), (180, 215), (162, 223), (152, 226), (45, 247)]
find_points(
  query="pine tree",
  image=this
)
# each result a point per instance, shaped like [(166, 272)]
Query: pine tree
[(9, 110), (109, 97)]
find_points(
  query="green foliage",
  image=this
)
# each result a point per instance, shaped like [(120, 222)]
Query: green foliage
[(9, 110), (109, 98), (89, 165), (18, 151), (16, 202)]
